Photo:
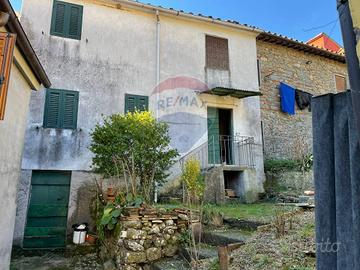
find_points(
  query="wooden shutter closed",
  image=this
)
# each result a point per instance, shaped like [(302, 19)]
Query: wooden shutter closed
[(52, 108), (66, 20), (217, 53), (61, 108), (143, 103), (136, 103), (340, 82), (59, 18), (75, 21), (70, 108), (7, 44)]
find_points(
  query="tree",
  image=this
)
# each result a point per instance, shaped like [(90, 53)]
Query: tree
[(135, 146)]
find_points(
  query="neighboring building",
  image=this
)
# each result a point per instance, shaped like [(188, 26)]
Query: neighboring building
[(20, 72), (323, 41), (197, 73), (305, 67)]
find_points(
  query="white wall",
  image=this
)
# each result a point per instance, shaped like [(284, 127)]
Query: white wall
[(12, 130)]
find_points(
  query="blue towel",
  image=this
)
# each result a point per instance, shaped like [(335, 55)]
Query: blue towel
[(287, 97)]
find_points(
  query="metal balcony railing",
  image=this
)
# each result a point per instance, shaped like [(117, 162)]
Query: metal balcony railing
[(229, 150)]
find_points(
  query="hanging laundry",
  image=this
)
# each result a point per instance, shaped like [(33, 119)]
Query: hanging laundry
[(303, 99), (287, 98)]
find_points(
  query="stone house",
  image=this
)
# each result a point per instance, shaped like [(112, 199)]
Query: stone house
[(197, 73), (20, 72), (311, 69)]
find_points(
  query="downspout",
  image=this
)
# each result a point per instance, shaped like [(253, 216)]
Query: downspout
[(157, 82)]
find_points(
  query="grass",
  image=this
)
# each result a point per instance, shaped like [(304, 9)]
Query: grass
[(254, 212)]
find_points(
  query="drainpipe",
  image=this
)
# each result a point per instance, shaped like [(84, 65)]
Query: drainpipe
[(157, 81)]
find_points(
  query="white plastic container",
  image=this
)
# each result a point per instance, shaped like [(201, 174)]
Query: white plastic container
[(79, 236)]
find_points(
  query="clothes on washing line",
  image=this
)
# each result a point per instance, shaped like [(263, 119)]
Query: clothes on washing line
[(303, 99), (287, 98)]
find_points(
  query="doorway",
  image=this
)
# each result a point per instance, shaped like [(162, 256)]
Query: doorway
[(220, 139), (48, 210)]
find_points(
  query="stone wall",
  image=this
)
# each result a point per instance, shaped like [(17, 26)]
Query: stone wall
[(295, 182), (284, 135), (146, 238)]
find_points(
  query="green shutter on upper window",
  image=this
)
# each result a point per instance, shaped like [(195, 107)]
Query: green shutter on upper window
[(135, 102), (58, 18), (75, 21), (66, 20), (61, 109)]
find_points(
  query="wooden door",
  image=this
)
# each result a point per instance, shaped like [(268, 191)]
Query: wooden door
[(213, 135), (48, 209)]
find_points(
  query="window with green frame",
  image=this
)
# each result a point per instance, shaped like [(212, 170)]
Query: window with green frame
[(61, 109), (66, 20), (136, 102)]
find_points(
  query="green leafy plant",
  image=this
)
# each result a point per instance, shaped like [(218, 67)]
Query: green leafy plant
[(135, 148), (281, 165), (195, 186)]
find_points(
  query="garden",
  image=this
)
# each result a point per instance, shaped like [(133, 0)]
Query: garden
[(132, 232)]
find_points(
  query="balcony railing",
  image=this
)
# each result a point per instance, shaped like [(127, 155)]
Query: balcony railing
[(228, 150)]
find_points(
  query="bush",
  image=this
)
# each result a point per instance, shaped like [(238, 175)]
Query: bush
[(281, 165), (136, 147)]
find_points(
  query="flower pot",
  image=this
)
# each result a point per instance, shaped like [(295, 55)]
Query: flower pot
[(91, 239)]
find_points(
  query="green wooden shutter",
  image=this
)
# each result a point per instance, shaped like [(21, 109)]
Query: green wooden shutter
[(142, 103), (75, 21), (61, 109), (136, 102), (213, 136), (70, 109), (52, 108), (66, 20), (58, 19)]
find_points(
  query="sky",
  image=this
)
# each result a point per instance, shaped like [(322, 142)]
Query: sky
[(300, 19)]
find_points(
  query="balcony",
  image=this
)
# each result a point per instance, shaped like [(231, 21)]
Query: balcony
[(237, 151)]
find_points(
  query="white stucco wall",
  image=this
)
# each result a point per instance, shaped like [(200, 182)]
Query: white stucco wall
[(117, 55), (12, 130)]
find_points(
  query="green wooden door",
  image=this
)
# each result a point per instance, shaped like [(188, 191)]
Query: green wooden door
[(213, 135), (48, 208)]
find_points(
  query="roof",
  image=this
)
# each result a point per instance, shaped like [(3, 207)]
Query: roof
[(300, 46), (326, 42), (22, 42), (263, 35), (189, 15)]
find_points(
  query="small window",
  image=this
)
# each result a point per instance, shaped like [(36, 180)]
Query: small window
[(340, 82), (217, 53), (136, 103), (61, 109), (7, 42), (66, 20)]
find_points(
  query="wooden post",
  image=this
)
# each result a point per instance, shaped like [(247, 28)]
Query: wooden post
[(223, 258)]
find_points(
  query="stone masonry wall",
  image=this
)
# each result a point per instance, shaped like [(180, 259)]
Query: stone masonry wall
[(150, 236), (284, 134)]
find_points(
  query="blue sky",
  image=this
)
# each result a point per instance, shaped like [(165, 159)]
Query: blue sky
[(300, 19)]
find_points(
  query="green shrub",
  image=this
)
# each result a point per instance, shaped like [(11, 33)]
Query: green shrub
[(281, 165), (135, 147)]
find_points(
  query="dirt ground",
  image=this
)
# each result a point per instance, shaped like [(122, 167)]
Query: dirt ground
[(293, 251), (54, 260)]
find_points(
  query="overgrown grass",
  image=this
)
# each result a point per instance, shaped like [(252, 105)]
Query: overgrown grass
[(254, 212)]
